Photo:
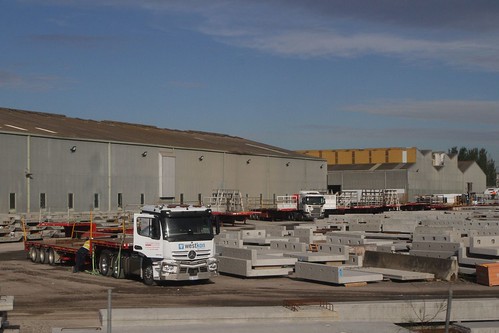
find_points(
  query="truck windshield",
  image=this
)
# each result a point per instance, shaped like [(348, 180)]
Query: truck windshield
[(187, 228), (314, 200)]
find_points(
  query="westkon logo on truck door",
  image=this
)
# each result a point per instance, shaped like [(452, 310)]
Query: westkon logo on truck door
[(191, 246)]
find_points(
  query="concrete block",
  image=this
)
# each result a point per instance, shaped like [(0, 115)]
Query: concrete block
[(331, 274), (289, 246), (355, 260)]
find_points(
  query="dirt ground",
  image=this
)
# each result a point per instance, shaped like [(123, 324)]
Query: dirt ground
[(52, 296)]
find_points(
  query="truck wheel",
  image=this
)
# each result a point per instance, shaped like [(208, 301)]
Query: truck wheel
[(147, 274), (52, 256), (105, 263), (42, 256), (33, 254)]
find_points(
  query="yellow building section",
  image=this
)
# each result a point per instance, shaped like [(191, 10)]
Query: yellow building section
[(365, 156)]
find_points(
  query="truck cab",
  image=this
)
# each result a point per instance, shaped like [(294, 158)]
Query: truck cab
[(311, 204), (175, 242)]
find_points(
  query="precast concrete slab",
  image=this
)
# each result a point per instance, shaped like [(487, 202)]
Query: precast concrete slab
[(398, 275), (406, 226), (253, 234), (395, 247), (230, 242), (371, 226), (345, 240), (464, 259), (261, 241), (243, 267), (478, 327), (451, 236), (436, 246), (417, 311), (286, 246), (318, 257), (392, 236), (332, 274), (444, 269), (238, 319), (467, 270), (433, 254), (484, 245), (484, 232)]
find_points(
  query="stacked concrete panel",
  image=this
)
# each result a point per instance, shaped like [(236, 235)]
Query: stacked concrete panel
[(436, 242)]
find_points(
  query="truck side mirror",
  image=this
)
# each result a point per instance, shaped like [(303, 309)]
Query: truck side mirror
[(216, 222)]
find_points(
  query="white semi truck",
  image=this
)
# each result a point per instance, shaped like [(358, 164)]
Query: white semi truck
[(305, 205), (167, 243)]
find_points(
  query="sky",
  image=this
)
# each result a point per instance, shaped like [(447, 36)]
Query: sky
[(297, 74)]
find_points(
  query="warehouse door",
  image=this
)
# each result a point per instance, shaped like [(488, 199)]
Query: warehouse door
[(167, 177)]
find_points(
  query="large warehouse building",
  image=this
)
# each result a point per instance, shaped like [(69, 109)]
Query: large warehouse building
[(412, 172), (53, 163)]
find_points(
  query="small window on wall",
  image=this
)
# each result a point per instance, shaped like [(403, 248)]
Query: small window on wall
[(120, 200), (43, 202), (12, 201), (142, 199), (96, 201), (71, 203)]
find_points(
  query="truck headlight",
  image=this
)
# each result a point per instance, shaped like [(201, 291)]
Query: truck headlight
[(170, 268)]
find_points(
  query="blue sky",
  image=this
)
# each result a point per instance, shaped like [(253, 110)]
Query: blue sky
[(294, 74)]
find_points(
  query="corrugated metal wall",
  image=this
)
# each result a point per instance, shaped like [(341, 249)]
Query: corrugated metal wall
[(107, 174)]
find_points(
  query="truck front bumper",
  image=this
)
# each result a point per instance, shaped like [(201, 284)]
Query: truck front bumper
[(187, 271)]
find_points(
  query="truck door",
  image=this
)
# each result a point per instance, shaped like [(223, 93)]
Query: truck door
[(147, 235)]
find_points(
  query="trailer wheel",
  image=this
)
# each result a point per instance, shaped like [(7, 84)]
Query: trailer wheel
[(52, 256), (42, 256), (147, 273), (105, 263), (33, 254)]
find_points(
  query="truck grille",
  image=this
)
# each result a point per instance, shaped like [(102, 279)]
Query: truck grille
[(184, 254)]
